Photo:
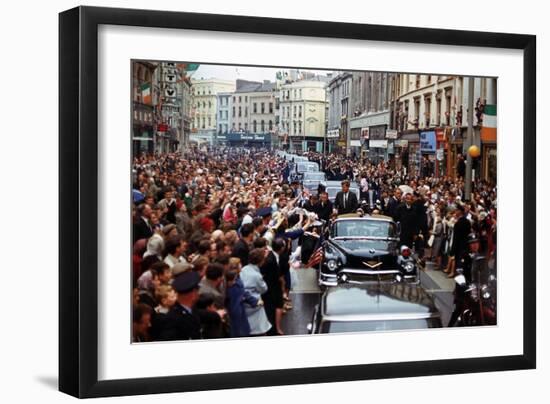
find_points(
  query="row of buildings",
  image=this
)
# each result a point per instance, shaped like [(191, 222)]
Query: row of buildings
[(415, 121)]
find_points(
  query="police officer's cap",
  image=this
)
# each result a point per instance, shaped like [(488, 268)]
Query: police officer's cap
[(186, 282), (472, 238)]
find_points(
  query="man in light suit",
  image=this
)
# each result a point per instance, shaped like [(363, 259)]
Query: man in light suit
[(345, 201)]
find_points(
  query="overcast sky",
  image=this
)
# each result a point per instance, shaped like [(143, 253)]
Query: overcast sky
[(231, 72)]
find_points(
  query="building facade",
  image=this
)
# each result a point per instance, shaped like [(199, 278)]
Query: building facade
[(431, 117), (205, 104), (224, 116), (302, 114), (339, 89), (145, 92), (371, 115)]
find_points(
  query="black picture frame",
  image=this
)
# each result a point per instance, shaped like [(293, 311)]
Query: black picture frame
[(78, 206)]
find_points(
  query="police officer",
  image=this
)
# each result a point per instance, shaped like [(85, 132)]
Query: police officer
[(469, 264), (182, 323)]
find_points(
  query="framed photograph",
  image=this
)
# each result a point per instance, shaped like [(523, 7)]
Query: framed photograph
[(250, 201)]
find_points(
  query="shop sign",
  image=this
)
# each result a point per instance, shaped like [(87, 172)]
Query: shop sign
[(440, 154), (333, 133), (391, 134), (401, 143), (427, 142), (356, 143), (381, 144)]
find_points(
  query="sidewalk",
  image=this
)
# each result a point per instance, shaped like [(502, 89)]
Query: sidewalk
[(437, 279)]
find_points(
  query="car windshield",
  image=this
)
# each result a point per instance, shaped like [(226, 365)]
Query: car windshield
[(378, 325), (312, 176), (303, 167), (364, 228)]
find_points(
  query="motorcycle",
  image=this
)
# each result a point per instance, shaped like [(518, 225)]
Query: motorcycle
[(408, 265), (475, 301)]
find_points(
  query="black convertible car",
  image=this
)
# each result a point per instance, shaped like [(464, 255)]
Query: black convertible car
[(360, 249)]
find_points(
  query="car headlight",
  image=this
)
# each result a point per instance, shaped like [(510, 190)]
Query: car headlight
[(332, 264), (409, 267)]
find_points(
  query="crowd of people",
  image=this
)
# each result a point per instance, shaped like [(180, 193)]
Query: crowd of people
[(216, 232)]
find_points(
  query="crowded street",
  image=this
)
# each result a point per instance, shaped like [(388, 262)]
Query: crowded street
[(233, 237)]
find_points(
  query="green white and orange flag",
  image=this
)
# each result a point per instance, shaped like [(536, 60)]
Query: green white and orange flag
[(489, 127), (146, 94)]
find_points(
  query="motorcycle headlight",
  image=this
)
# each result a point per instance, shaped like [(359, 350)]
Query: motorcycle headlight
[(485, 293), (332, 264), (409, 267)]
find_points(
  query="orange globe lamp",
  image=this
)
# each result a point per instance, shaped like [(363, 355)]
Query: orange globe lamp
[(473, 151)]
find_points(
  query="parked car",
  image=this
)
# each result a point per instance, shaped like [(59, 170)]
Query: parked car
[(361, 249), (333, 187), (312, 179), (374, 307)]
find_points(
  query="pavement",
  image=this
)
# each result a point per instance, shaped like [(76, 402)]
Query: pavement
[(305, 296)]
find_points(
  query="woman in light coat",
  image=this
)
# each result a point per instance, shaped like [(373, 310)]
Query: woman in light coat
[(255, 285)]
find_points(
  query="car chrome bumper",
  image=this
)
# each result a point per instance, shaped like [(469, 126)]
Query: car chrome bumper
[(334, 279)]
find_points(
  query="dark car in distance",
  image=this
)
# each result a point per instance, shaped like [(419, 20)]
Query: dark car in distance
[(374, 307), (363, 248)]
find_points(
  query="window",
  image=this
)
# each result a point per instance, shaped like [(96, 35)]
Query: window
[(246, 98), (418, 81), (300, 111), (239, 98), (270, 125), (299, 126), (255, 108), (209, 104), (221, 115), (209, 122), (221, 128), (427, 109), (438, 111), (233, 112), (294, 111), (254, 126), (300, 93), (270, 107), (416, 112), (203, 122), (240, 127), (233, 99), (245, 111), (448, 110), (262, 108), (262, 125), (246, 126), (240, 111), (233, 127), (294, 127)]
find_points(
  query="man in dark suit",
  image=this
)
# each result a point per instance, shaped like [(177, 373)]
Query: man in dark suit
[(393, 203), (142, 225), (325, 207), (182, 323), (242, 246), (407, 216), (461, 230), (273, 298), (346, 201)]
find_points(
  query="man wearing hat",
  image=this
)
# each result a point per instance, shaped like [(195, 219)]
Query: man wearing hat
[(181, 321)]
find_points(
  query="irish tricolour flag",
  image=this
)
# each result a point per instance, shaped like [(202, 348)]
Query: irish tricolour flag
[(489, 128), (146, 94)]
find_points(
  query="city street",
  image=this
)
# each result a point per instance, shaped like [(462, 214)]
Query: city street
[(305, 296), (236, 167)]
